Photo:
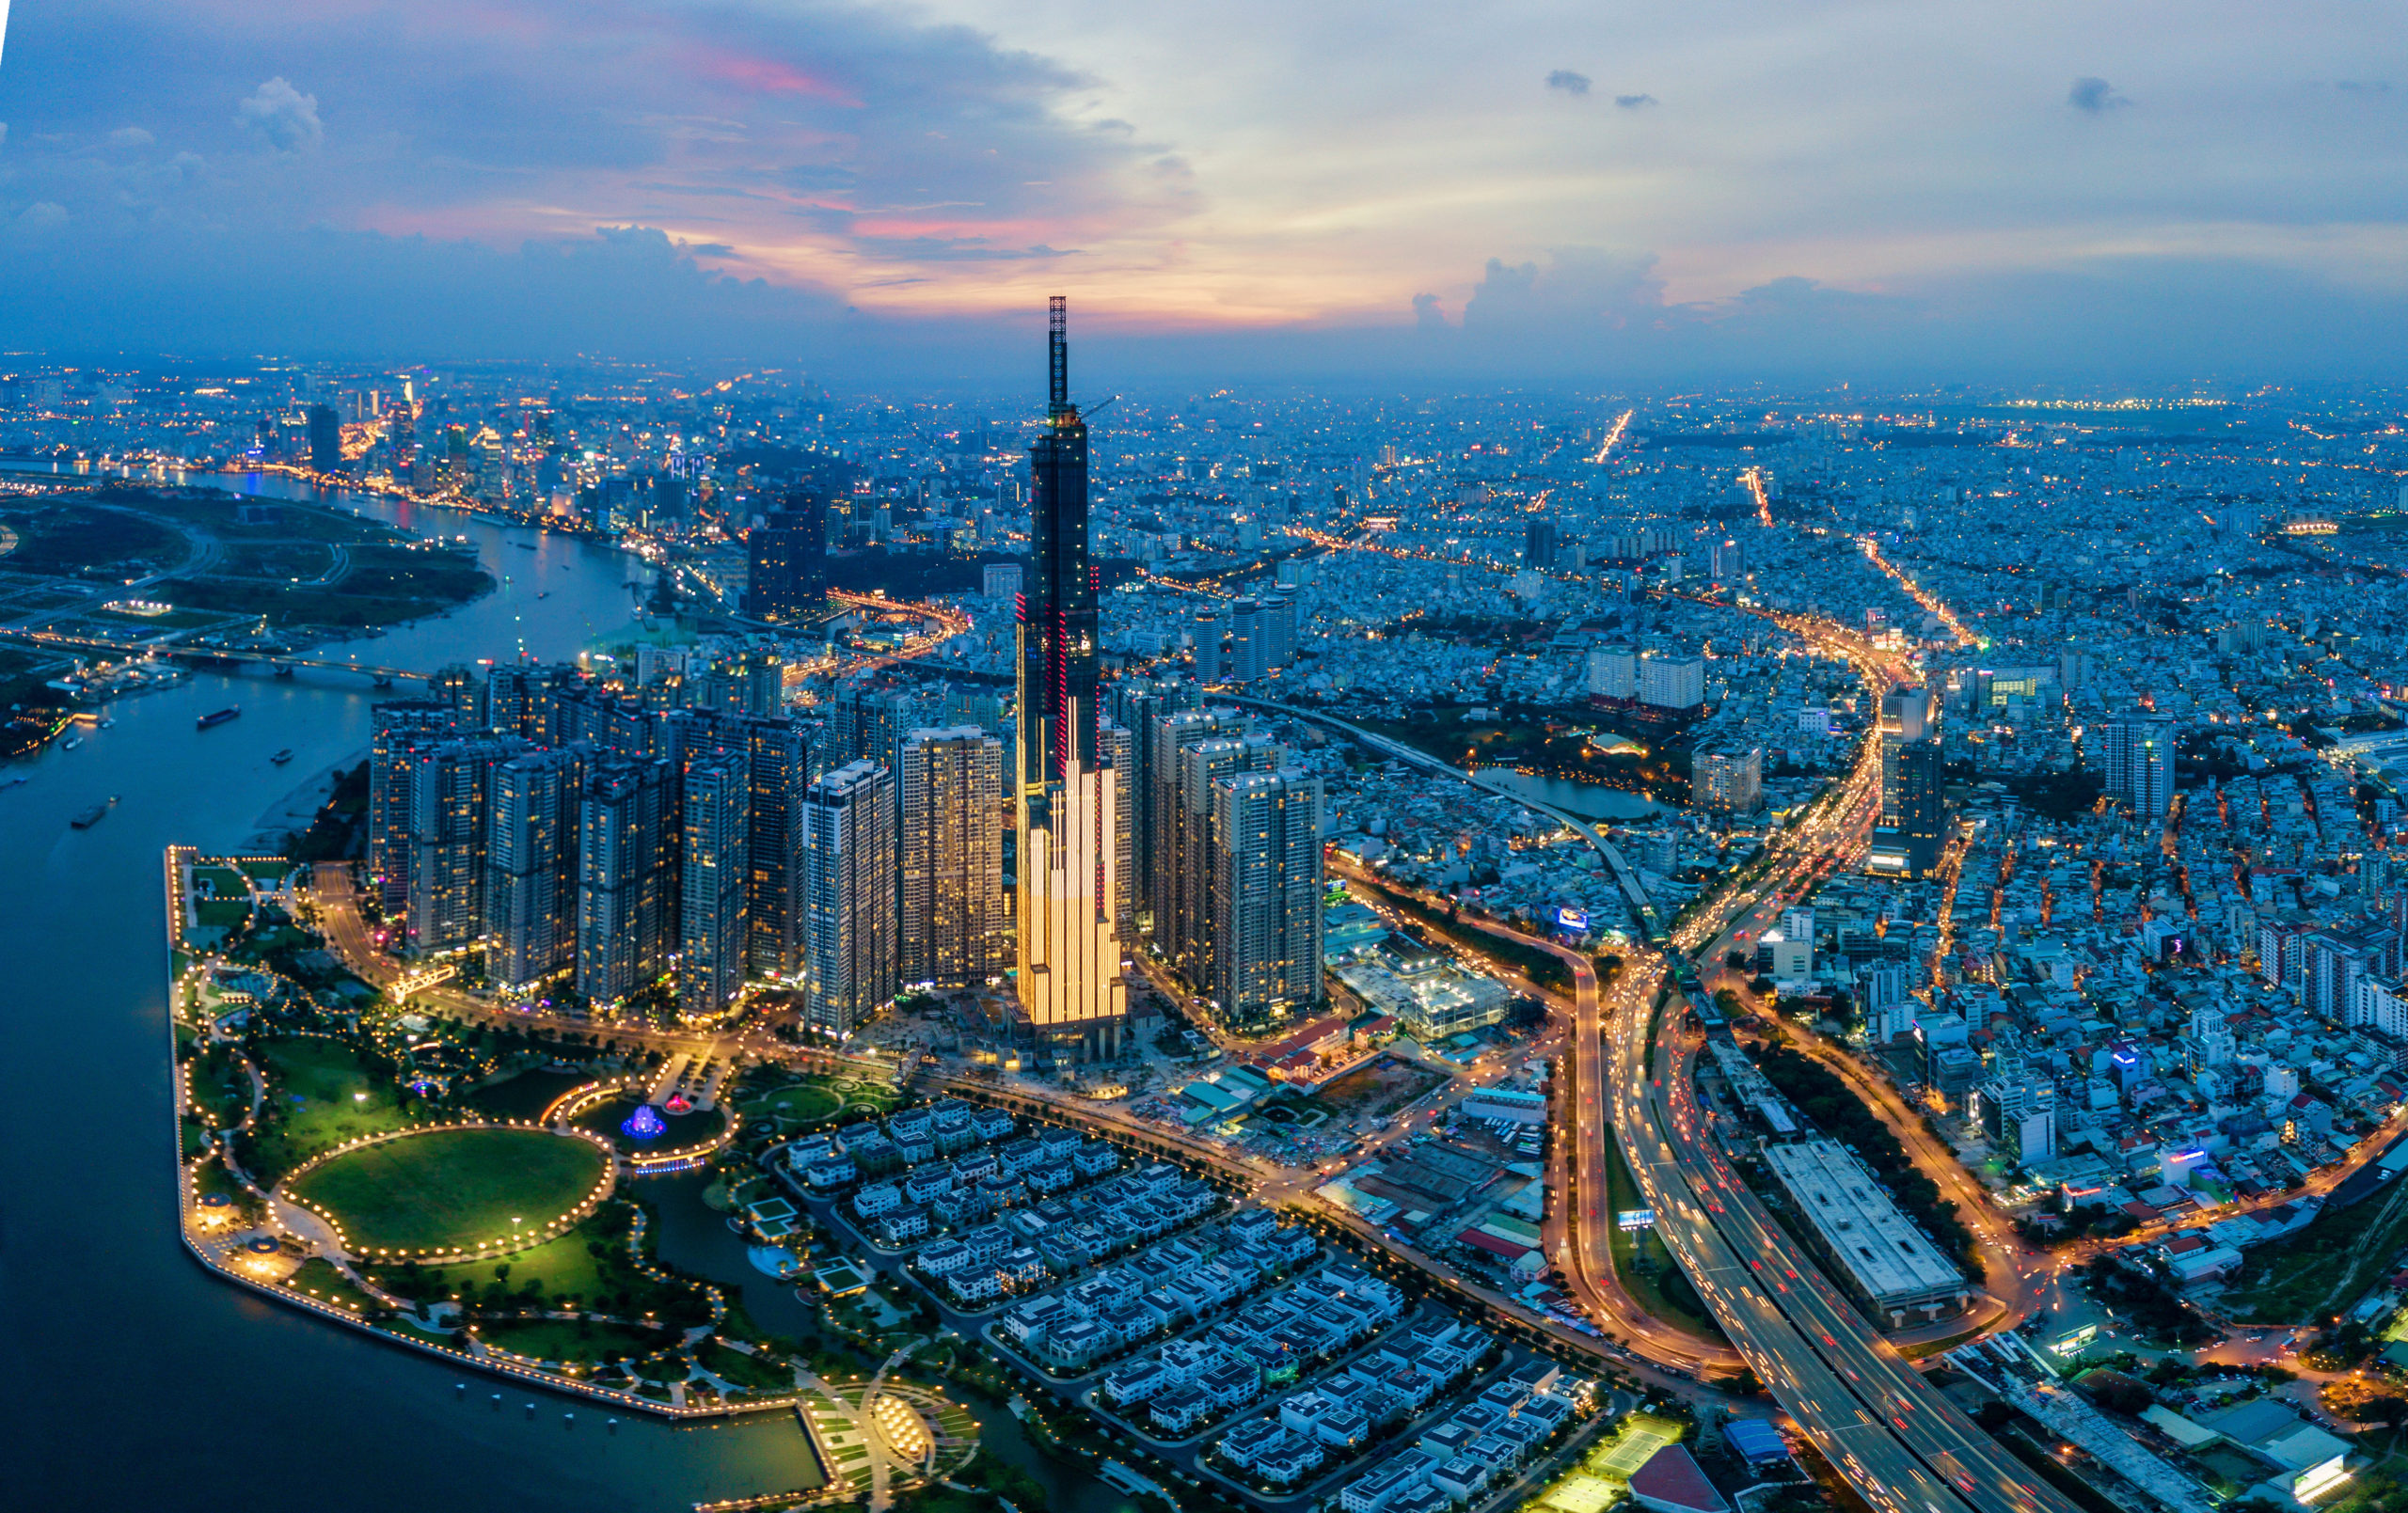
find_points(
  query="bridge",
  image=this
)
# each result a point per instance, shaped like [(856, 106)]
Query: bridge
[(168, 651)]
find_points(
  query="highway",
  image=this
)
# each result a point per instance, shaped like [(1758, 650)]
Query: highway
[(1902, 1446)]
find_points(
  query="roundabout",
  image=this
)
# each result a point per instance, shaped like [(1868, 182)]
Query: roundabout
[(459, 1191)]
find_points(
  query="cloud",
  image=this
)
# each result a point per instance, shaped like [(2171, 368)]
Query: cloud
[(1427, 316), (2095, 97), (1635, 102), (1569, 81), (282, 116), (130, 136), (40, 218)]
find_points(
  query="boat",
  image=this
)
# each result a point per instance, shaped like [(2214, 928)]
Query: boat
[(524, 545), (71, 743), (219, 717), (282, 757), (86, 819), (545, 594)]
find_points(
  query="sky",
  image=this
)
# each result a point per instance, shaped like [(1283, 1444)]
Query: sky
[(2159, 191)]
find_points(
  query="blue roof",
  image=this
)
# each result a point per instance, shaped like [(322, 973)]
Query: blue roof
[(1756, 1440)]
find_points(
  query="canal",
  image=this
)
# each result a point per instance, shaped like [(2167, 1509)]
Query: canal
[(140, 1379)]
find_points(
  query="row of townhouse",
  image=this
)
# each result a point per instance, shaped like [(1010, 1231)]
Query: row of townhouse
[(1167, 1286), (1335, 1418), (829, 1163), (1066, 1236), (975, 1185), (1478, 1445), (1267, 1343)]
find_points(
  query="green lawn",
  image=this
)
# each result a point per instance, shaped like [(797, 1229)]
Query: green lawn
[(452, 1186), (221, 1089), (572, 1340), (789, 1105), (319, 1097), (566, 1273)]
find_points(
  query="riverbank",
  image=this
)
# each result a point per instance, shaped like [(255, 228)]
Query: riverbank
[(260, 1258)]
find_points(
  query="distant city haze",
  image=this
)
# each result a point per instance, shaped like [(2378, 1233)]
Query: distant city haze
[(1236, 189)]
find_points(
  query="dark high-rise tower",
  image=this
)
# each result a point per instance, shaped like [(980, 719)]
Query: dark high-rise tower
[(1057, 610), (1068, 955), (788, 559)]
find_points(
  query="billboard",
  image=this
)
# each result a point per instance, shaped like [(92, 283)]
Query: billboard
[(1571, 918), (1635, 1217)]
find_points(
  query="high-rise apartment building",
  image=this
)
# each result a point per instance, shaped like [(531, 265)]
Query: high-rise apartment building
[(1266, 896), (779, 755), (1727, 779), (1068, 955), (1671, 682), (715, 835), (849, 898), (398, 729), (463, 687), (2134, 754), (623, 833), (1116, 748), (451, 791), (531, 869), (1190, 943), (1159, 847), (950, 858), (1613, 673)]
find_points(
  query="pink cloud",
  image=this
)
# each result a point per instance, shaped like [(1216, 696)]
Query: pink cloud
[(769, 75)]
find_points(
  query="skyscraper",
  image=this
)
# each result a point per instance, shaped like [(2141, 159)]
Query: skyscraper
[(2136, 758), (780, 757), (1172, 732), (1266, 896), (399, 727), (849, 898), (1192, 917), (621, 840), (714, 867), (326, 439), (451, 792), (786, 557), (531, 869), (1068, 947), (1116, 748), (951, 857), (1911, 830)]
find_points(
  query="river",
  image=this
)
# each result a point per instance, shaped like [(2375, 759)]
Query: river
[(1590, 801), (141, 1381)]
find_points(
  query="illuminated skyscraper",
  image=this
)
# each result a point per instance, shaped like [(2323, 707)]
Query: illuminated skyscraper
[(1068, 956), (623, 875), (714, 869), (849, 898), (1266, 896), (2134, 754), (952, 856), (1913, 829), (530, 868)]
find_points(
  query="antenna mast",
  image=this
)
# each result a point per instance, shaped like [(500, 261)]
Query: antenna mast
[(1057, 350)]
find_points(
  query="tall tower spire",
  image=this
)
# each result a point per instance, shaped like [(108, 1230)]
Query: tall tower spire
[(1068, 954)]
